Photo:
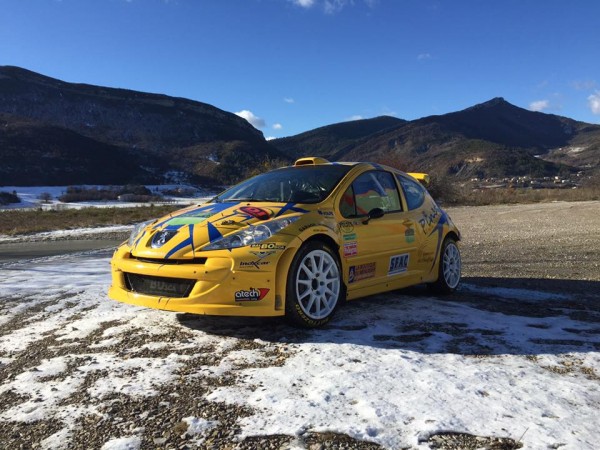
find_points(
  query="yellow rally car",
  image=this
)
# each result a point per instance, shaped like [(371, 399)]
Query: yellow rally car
[(297, 241)]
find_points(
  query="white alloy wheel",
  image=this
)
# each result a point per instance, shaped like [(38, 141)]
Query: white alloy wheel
[(317, 284), (449, 268), (314, 285), (451, 265)]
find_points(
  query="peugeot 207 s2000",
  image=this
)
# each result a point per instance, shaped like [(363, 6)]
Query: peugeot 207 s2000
[(297, 241)]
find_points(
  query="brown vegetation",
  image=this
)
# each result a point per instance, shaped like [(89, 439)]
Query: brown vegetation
[(34, 221), (448, 193)]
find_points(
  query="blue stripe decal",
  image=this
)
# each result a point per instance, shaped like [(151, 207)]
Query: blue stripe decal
[(213, 233), (138, 240), (189, 241), (440, 229), (290, 207), (183, 244), (191, 228), (213, 208), (216, 208)]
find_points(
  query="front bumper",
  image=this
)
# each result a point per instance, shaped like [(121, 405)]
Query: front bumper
[(218, 288)]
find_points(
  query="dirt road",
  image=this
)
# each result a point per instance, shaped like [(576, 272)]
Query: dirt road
[(29, 250)]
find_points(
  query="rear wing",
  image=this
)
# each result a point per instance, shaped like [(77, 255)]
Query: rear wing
[(422, 178)]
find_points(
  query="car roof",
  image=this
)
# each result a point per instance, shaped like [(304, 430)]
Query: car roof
[(312, 161)]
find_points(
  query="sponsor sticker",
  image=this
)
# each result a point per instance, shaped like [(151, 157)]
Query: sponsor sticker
[(361, 272), (253, 211), (426, 257), (398, 264), (409, 234), (349, 237), (350, 249), (427, 220), (346, 226), (258, 262), (251, 295), (326, 213), (269, 246), (306, 227)]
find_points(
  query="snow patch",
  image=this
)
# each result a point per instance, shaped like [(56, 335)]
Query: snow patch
[(124, 443)]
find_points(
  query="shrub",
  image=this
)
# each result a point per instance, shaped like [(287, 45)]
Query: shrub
[(83, 194), (7, 197), (45, 197)]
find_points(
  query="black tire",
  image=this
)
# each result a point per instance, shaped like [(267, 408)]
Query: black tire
[(315, 287), (449, 268)]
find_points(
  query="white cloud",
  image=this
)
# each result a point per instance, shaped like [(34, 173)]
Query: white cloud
[(539, 105), (332, 6), (584, 85), (304, 3), (288, 100), (424, 56), (270, 138), (355, 117), (277, 126), (594, 102), (255, 121)]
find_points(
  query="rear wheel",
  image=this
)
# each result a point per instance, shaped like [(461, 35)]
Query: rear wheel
[(314, 285), (449, 268)]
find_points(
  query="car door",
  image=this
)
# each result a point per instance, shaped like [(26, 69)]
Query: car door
[(421, 211), (376, 251)]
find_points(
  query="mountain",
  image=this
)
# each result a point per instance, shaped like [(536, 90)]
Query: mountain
[(339, 138), (54, 132), (38, 154), (166, 133), (491, 139)]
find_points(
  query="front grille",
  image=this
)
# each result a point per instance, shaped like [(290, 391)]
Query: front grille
[(159, 286)]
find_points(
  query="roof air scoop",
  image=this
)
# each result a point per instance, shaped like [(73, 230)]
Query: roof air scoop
[(310, 161)]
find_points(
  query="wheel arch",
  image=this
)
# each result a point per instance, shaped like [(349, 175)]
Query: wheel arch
[(285, 262), (326, 239), (452, 234)]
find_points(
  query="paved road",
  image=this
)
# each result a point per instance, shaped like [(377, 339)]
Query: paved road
[(11, 252)]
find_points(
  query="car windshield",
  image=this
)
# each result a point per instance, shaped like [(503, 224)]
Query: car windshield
[(305, 184)]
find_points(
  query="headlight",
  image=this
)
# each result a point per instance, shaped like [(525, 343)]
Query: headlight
[(137, 230), (254, 234)]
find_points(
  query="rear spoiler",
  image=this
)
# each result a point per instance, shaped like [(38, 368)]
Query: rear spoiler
[(422, 178)]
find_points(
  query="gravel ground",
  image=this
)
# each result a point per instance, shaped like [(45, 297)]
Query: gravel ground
[(550, 247), (532, 244)]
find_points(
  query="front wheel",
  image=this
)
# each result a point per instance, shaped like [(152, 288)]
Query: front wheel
[(449, 268), (314, 285)]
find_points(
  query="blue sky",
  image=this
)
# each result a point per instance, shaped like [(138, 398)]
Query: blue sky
[(293, 65)]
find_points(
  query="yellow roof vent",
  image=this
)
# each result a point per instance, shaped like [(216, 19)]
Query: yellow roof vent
[(310, 160), (423, 178)]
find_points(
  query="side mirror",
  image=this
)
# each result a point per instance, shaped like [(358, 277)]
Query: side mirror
[(375, 213)]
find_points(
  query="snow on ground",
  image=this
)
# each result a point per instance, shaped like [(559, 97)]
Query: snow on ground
[(65, 234), (392, 369)]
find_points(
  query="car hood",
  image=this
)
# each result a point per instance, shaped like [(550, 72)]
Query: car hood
[(181, 235)]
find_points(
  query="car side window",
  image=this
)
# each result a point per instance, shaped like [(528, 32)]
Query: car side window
[(413, 191), (347, 204), (370, 190)]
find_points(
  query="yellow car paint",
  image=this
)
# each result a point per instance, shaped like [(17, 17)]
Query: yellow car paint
[(166, 265)]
